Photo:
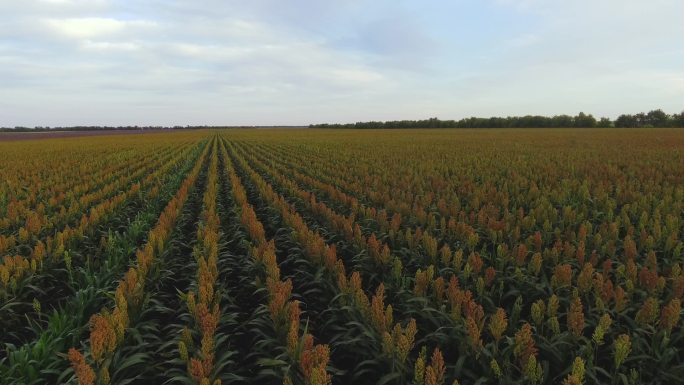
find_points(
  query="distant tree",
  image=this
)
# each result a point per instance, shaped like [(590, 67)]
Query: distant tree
[(678, 120), (495, 122), (657, 118), (604, 123), (641, 120), (585, 121), (562, 121), (626, 120)]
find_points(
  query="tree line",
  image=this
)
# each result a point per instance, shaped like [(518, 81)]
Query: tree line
[(121, 128), (655, 118), (82, 128)]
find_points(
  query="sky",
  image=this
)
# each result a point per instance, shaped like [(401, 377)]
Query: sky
[(272, 62)]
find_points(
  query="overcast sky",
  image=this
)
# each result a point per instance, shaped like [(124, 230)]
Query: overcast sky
[(121, 62)]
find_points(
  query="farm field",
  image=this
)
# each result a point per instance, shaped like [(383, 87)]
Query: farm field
[(316, 257)]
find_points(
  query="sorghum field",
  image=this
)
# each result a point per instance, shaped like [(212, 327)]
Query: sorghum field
[(422, 257)]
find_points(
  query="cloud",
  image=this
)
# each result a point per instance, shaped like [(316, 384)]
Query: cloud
[(236, 62), (95, 27), (105, 46)]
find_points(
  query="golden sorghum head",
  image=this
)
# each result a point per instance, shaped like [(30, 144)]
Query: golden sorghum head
[(576, 377), (438, 287), (405, 340), (533, 370), (293, 332), (537, 309), (620, 299), (554, 325), (648, 312), (576, 317), (379, 315), (421, 283), (535, 264), (104, 376), (622, 348), (434, 373), (669, 316), (183, 350), (474, 332), (102, 336), (601, 329), (552, 307), (313, 362), (196, 369), (585, 278), (419, 367), (84, 373), (498, 324), (495, 368), (562, 276), (524, 344), (279, 292)]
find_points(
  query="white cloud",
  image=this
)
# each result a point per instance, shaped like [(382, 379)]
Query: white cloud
[(229, 61), (106, 46), (95, 27)]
